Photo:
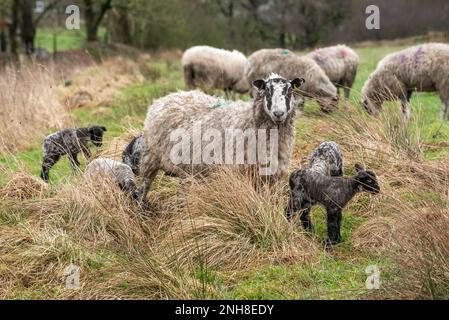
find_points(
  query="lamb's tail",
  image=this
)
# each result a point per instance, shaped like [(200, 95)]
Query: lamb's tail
[(189, 76)]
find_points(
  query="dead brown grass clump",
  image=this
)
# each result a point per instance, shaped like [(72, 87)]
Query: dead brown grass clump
[(23, 186), (228, 224)]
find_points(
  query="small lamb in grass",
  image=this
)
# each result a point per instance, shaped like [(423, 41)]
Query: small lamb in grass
[(309, 188), (133, 153), (69, 142), (327, 159), (118, 172)]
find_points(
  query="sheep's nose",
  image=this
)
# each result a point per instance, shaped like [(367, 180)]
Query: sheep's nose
[(335, 99), (279, 114)]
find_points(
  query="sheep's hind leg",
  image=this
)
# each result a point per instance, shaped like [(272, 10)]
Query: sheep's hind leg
[(405, 101), (148, 178), (47, 164), (306, 220), (333, 225)]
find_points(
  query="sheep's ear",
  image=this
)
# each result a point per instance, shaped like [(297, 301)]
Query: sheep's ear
[(359, 168), (297, 83), (259, 84)]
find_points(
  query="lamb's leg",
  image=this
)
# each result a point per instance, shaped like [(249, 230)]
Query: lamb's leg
[(306, 220), (296, 196), (73, 157), (333, 226), (86, 151), (48, 163)]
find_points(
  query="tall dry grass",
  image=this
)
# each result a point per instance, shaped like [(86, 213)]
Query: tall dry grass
[(30, 105)]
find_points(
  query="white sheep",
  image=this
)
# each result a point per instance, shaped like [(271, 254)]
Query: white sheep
[(185, 115), (118, 172), (290, 66), (422, 68), (209, 68), (340, 64)]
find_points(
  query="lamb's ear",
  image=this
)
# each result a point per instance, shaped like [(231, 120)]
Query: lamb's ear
[(297, 83), (104, 129), (259, 84), (359, 168)]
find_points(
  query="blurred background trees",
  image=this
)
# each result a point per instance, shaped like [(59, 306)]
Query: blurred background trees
[(241, 24)]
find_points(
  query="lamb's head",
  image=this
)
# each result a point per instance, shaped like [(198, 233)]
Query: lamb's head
[(277, 94), (96, 135), (367, 180)]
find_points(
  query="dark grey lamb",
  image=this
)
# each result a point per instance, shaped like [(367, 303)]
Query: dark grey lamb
[(309, 188), (133, 153), (327, 159), (69, 142)]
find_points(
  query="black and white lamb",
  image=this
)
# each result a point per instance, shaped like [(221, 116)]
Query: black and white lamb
[(118, 172), (69, 142), (327, 159), (309, 188), (133, 153)]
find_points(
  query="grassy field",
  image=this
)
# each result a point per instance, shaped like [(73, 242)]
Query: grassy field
[(198, 239)]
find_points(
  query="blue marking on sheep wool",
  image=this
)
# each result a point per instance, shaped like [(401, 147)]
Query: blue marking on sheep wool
[(286, 52), (221, 104)]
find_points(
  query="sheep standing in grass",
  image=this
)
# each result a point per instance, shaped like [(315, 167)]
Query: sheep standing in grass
[(327, 159), (423, 68), (69, 142), (309, 188), (288, 65), (210, 68), (273, 112), (118, 172), (133, 153), (340, 64)]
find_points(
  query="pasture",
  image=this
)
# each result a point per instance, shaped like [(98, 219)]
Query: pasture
[(219, 237)]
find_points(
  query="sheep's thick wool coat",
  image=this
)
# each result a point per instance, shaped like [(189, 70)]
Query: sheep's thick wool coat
[(420, 68), (288, 65), (340, 64), (209, 68), (182, 110)]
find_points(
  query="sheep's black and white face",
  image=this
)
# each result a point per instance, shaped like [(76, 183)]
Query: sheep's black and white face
[(278, 98)]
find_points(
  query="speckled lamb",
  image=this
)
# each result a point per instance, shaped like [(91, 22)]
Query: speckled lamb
[(423, 68), (309, 188), (133, 153), (118, 172), (327, 159), (69, 142)]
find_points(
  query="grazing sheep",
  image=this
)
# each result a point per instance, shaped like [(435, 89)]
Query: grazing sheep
[(327, 159), (210, 68), (309, 188), (273, 109), (69, 142), (340, 64), (133, 153), (287, 64), (118, 172), (423, 68)]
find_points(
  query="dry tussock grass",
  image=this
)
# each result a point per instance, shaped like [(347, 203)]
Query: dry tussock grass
[(30, 105)]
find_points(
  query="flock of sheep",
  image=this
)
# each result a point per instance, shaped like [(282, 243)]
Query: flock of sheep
[(278, 81)]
